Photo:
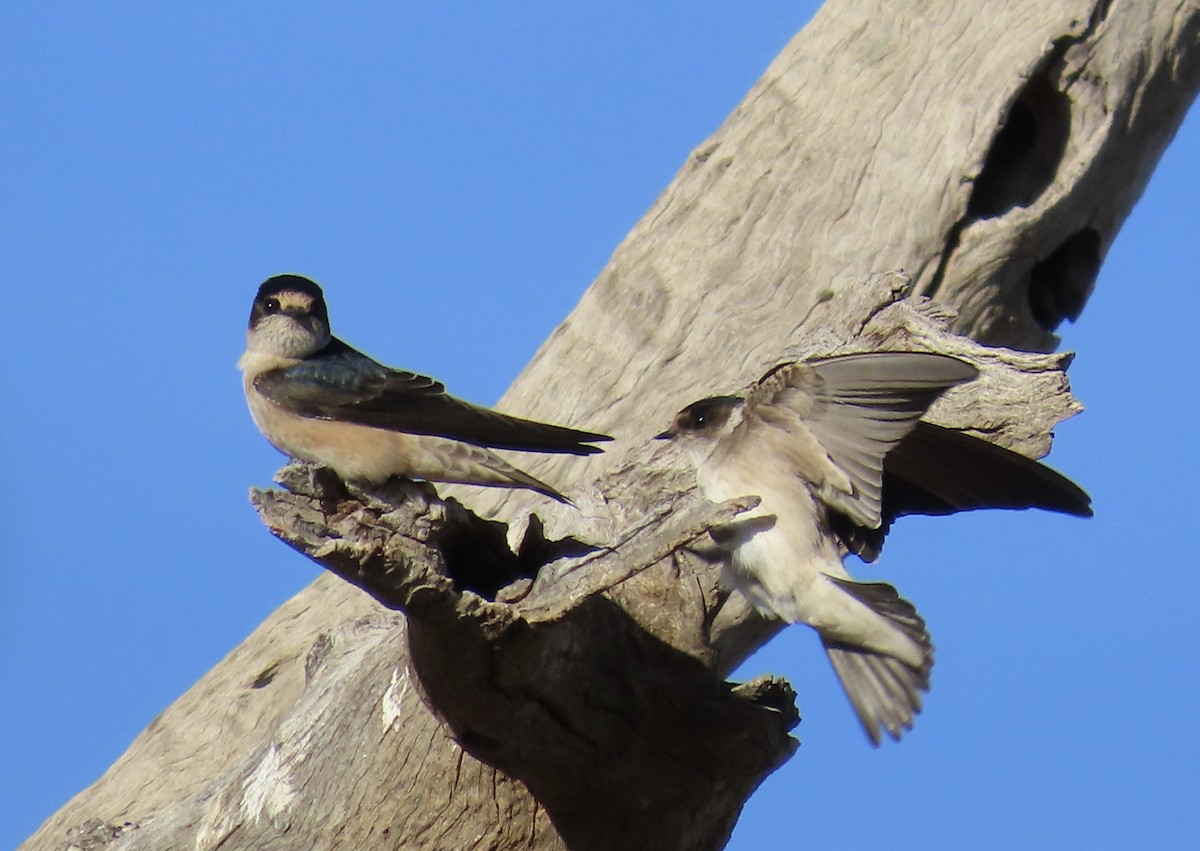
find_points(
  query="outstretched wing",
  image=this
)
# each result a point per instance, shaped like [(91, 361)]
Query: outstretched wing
[(343, 384), (839, 418), (936, 470)]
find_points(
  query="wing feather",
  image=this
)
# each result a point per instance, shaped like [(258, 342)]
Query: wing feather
[(341, 383), (845, 414)]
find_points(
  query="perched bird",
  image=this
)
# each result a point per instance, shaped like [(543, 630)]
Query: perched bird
[(314, 397), (836, 450)]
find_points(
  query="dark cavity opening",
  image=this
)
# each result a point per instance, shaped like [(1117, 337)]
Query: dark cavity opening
[(266, 677), (1059, 285), (1025, 153)]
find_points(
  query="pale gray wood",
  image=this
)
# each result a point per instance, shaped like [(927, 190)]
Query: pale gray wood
[(872, 143)]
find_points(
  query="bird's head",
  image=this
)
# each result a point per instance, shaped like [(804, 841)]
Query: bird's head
[(289, 318), (701, 424)]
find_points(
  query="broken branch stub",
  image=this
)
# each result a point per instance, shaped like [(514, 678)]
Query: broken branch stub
[(562, 677)]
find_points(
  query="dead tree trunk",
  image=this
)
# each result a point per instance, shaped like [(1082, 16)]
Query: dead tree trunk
[(991, 150)]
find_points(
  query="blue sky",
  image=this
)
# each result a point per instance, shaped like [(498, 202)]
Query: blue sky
[(444, 170)]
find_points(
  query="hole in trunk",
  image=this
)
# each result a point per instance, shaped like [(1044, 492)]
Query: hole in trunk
[(1060, 284), (1025, 153)]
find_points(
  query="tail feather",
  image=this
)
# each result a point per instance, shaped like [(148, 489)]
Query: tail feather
[(475, 465), (884, 691), (910, 691), (522, 479)]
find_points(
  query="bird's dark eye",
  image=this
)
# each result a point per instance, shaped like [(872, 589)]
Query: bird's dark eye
[(272, 305), (693, 421)]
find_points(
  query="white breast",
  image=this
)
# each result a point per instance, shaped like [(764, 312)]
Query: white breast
[(780, 569)]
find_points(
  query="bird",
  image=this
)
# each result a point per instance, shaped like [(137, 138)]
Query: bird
[(836, 449), (318, 399)]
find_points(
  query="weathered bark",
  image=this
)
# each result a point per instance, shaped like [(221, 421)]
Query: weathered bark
[(992, 150)]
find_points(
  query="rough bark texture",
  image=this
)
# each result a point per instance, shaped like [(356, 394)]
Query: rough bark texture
[(992, 150)]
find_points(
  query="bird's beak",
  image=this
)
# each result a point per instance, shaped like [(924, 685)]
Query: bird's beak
[(666, 435)]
